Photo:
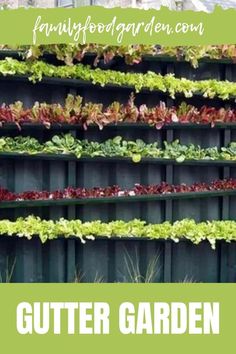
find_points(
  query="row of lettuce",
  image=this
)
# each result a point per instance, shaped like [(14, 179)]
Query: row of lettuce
[(133, 54), (67, 145), (162, 189), (169, 84), (186, 229), (77, 112)]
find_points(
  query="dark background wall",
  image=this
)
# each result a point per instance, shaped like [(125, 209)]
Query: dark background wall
[(58, 261)]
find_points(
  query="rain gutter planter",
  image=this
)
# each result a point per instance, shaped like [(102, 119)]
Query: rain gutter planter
[(219, 242), (66, 127), (77, 83), (161, 161), (147, 57), (173, 59), (113, 200)]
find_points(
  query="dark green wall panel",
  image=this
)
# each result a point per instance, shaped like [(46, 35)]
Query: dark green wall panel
[(68, 260), (106, 260)]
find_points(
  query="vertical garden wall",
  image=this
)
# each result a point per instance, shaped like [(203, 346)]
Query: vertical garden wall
[(118, 259)]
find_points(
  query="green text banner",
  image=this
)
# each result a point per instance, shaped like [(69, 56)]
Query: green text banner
[(117, 318), (116, 26)]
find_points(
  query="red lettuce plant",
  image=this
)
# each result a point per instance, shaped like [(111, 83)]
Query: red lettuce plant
[(74, 112), (116, 191)]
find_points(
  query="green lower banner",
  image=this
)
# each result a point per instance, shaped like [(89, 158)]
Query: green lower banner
[(114, 318)]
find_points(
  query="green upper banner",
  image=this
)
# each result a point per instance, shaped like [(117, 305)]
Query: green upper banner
[(116, 26)]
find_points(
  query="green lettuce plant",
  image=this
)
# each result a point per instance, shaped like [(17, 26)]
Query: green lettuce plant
[(187, 229), (132, 54), (116, 147), (36, 71)]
